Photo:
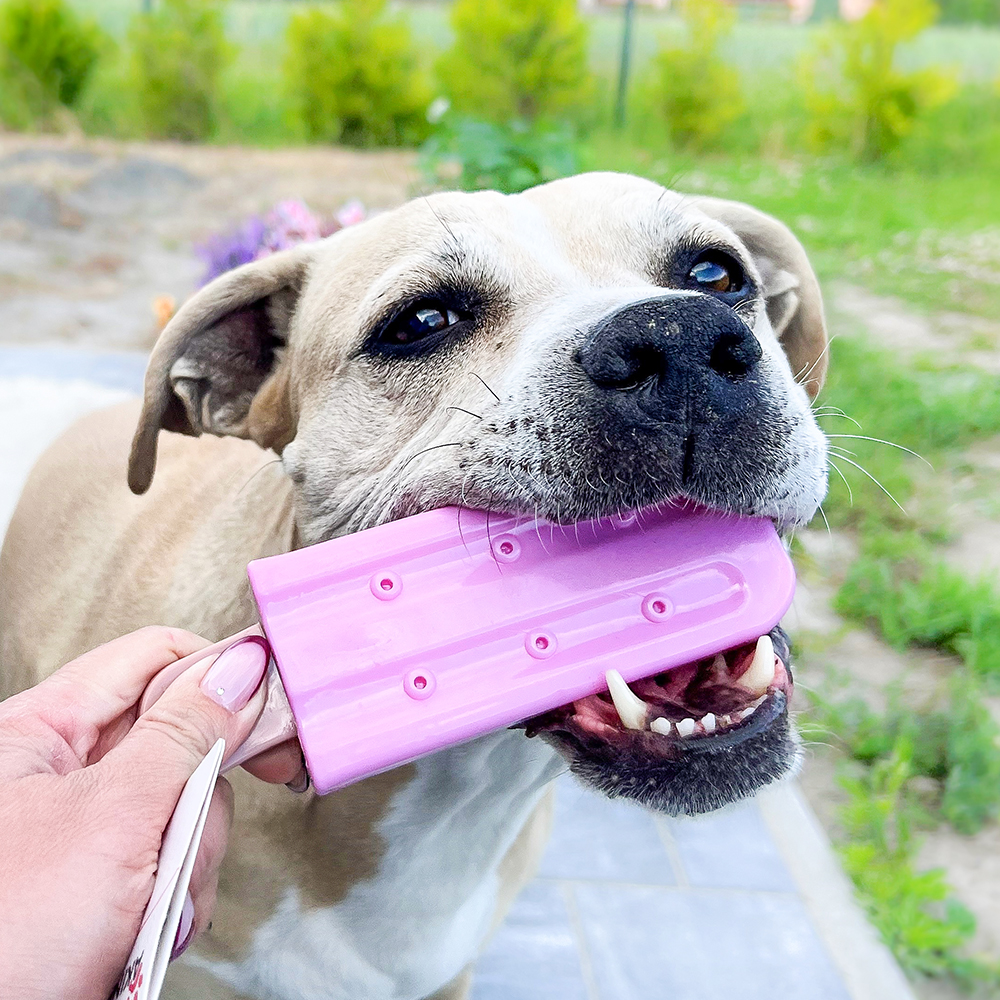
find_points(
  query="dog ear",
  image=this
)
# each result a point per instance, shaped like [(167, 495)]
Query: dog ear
[(217, 366), (794, 301)]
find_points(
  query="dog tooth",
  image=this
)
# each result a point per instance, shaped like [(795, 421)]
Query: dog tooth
[(758, 678), (708, 723), (632, 710), (662, 726), (719, 664), (685, 727)]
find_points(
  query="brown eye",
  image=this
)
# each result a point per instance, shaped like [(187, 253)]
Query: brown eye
[(418, 323), (717, 273)]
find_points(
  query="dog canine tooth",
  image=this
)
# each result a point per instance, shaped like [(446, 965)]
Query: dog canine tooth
[(662, 726), (632, 710), (708, 723), (758, 678), (685, 727)]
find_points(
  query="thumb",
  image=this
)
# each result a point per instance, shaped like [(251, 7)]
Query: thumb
[(216, 698)]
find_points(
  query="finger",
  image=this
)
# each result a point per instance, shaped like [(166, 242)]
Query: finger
[(205, 874), (88, 694), (279, 765), (219, 697)]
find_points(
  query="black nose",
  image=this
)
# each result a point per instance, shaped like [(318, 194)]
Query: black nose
[(672, 351)]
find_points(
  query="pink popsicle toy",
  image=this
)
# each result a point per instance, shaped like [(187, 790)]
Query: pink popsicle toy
[(406, 638)]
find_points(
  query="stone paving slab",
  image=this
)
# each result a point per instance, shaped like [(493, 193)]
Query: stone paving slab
[(745, 904)]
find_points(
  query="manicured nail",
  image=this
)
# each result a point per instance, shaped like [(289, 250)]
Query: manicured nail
[(237, 673), (300, 783), (185, 929)]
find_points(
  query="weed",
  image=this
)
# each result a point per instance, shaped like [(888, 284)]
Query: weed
[(476, 155), (924, 926), (913, 598)]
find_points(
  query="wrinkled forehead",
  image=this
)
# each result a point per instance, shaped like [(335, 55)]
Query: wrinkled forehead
[(593, 229)]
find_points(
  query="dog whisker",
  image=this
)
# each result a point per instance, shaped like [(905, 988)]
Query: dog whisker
[(423, 451), (888, 444), (863, 470), (488, 389), (257, 472), (850, 492), (462, 409)]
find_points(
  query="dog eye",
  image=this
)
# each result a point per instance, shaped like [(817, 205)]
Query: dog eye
[(417, 323), (717, 272)]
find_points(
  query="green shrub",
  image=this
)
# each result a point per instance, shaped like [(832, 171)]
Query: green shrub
[(699, 93), (857, 96), (516, 59), (475, 155), (178, 54), (354, 76), (47, 54), (958, 11)]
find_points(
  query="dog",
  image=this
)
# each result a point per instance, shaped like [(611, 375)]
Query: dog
[(588, 347)]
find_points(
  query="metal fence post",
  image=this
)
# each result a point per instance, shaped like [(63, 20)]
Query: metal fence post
[(623, 67)]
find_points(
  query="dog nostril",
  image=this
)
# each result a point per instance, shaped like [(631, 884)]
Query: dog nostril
[(644, 363), (734, 354)]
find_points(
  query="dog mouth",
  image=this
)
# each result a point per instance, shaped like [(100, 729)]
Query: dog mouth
[(688, 739)]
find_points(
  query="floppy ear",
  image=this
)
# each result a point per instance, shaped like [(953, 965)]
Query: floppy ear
[(794, 302), (217, 367)]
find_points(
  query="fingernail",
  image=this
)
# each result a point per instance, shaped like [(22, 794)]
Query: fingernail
[(237, 673), (300, 783), (185, 929)]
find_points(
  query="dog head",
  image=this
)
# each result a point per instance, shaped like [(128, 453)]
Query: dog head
[(588, 347)]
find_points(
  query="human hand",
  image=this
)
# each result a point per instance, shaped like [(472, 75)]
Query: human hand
[(86, 790)]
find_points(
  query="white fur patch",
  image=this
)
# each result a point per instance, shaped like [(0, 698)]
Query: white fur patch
[(426, 915)]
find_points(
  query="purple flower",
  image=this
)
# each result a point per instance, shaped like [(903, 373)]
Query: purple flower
[(225, 251), (288, 224)]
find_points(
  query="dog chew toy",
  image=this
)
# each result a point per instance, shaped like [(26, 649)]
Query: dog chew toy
[(402, 639)]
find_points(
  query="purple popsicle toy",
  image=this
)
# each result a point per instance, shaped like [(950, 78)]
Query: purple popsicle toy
[(405, 638)]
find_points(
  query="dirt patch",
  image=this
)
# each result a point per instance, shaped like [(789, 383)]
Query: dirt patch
[(959, 338), (91, 231)]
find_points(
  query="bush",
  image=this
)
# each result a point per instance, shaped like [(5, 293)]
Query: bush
[(516, 59), (178, 53), (477, 155), (872, 105), (46, 56), (354, 76), (698, 93), (959, 11)]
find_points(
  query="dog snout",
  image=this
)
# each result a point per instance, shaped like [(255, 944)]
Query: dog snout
[(669, 352)]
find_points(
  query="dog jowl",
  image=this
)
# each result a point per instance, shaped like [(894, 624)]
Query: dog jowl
[(586, 348)]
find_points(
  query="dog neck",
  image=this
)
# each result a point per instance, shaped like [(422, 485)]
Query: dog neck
[(421, 918)]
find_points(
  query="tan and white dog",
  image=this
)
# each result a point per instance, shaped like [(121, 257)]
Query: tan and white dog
[(590, 346)]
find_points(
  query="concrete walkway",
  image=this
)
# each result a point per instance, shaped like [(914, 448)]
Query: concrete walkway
[(746, 904)]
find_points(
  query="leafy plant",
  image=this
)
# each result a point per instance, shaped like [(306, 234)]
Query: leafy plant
[(699, 93), (47, 54), (855, 91), (178, 53), (475, 155), (913, 598), (354, 76), (516, 59), (924, 926)]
